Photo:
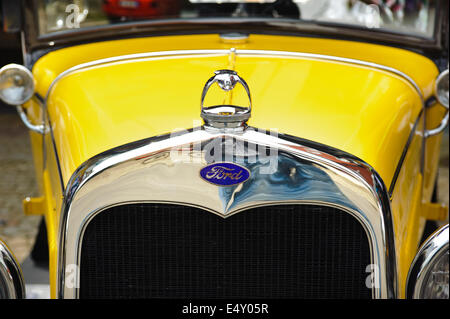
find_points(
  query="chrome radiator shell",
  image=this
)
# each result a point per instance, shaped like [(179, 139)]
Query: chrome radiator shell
[(165, 169)]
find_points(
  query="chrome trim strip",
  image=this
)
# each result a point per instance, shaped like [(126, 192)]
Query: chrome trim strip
[(12, 285), (152, 170), (405, 152), (26, 56), (430, 250), (122, 58)]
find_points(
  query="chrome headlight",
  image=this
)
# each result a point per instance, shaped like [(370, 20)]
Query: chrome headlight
[(16, 84), (441, 88), (428, 276), (11, 280)]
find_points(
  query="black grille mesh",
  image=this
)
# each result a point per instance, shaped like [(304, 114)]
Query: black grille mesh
[(174, 251)]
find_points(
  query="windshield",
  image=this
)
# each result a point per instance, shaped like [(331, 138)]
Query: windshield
[(411, 17)]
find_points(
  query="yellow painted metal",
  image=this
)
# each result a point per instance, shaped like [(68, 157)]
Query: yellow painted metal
[(34, 111), (301, 97), (406, 208), (51, 223), (435, 211), (272, 79), (49, 189), (421, 69), (361, 110), (410, 208), (34, 205)]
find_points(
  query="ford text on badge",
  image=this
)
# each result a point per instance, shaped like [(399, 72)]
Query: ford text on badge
[(224, 174)]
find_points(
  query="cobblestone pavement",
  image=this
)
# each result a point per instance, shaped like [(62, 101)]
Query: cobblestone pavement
[(443, 181), (17, 182)]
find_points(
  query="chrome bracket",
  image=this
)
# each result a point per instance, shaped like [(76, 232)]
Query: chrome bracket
[(439, 129), (40, 128), (442, 79)]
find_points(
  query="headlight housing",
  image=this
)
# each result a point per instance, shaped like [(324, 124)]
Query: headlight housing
[(441, 88), (16, 84), (12, 285), (428, 276)]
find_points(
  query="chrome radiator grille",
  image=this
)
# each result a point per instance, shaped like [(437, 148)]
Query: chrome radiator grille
[(175, 251)]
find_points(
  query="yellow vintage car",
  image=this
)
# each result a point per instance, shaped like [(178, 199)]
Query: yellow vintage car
[(234, 149)]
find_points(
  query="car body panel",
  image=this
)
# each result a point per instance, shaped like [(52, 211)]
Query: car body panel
[(87, 122), (48, 67), (421, 69), (407, 217), (363, 110)]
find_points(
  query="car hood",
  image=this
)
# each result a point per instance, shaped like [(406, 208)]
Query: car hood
[(359, 109)]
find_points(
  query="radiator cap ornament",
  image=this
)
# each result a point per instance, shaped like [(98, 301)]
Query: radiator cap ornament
[(223, 116)]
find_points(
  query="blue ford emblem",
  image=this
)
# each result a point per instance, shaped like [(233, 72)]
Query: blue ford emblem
[(224, 174)]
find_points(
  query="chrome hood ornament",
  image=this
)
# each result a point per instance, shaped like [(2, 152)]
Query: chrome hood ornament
[(225, 116)]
